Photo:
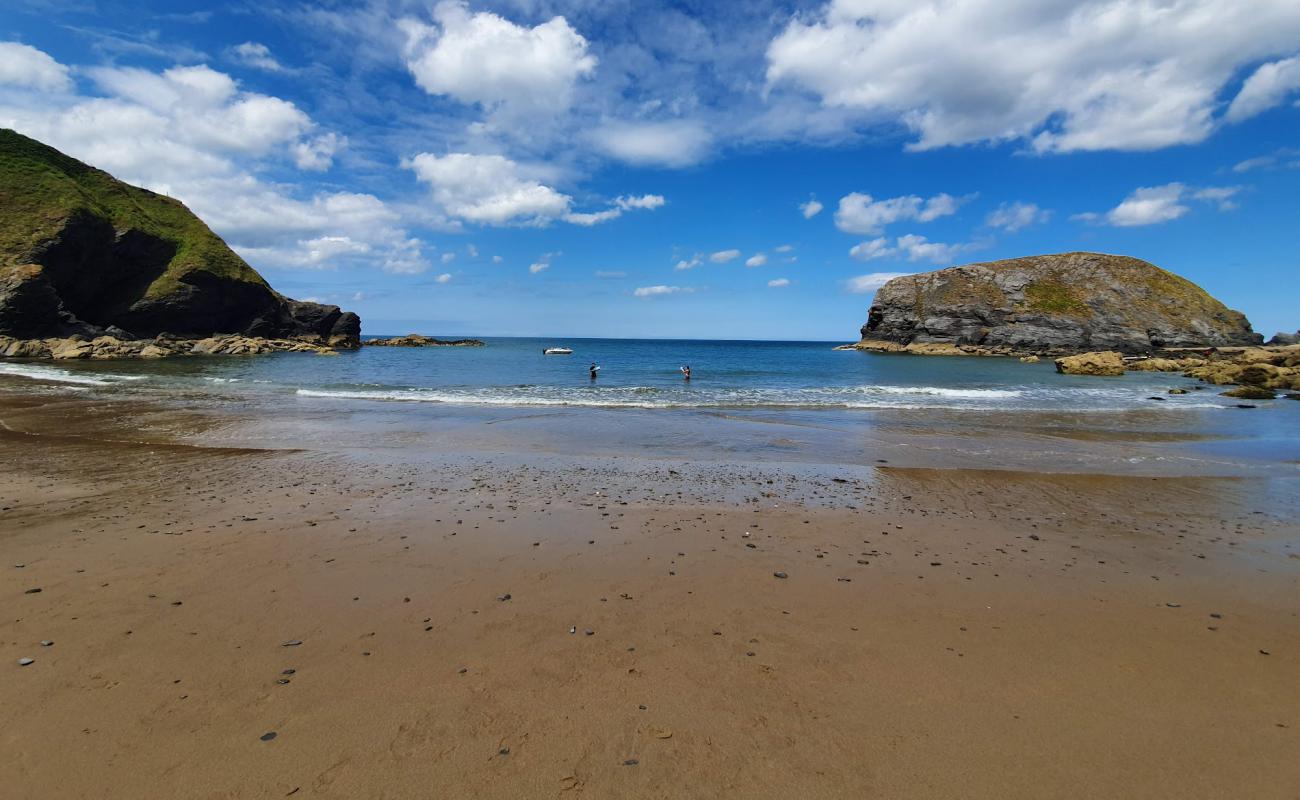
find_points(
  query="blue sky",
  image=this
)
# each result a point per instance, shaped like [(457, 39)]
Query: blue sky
[(689, 169)]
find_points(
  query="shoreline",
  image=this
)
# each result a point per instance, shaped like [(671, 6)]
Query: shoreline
[(927, 615)]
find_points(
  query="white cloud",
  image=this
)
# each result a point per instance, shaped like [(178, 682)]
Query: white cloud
[(1220, 196), (1012, 217), (538, 267), (665, 144), (471, 251), (860, 213), (486, 59), (610, 274), (256, 55), (621, 204), (1151, 205), (497, 259), (785, 248), (447, 258), (872, 249), (317, 154), (756, 260), (723, 256), (25, 66), (918, 248), (863, 284), (488, 189), (444, 278), (810, 209), (661, 290), (778, 283), (1266, 88), (1063, 76), (685, 264)]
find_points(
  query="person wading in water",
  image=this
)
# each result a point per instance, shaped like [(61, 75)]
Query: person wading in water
[(594, 369), (686, 372)]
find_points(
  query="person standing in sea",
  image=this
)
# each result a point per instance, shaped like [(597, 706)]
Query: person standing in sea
[(594, 369)]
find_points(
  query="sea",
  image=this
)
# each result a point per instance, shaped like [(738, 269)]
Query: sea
[(746, 401)]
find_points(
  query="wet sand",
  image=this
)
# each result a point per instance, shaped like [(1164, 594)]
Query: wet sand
[(939, 633)]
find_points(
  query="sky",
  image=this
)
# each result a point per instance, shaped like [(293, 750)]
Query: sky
[(683, 169)]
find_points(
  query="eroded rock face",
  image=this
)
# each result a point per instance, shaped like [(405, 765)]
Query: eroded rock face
[(1064, 303), (417, 340)]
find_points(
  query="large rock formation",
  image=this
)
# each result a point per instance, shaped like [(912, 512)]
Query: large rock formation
[(83, 253), (1067, 303)]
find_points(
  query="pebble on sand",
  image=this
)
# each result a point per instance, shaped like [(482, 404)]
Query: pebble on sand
[(22, 662), (291, 643), (780, 575), (268, 736)]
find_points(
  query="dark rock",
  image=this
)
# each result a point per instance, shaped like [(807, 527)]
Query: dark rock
[(1251, 393), (268, 736), (781, 575), (1285, 338), (1067, 303), (417, 340)]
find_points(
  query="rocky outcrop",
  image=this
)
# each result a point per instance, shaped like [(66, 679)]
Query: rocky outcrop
[(416, 340), (1105, 363), (110, 347), (1051, 304), (82, 253), (1280, 338), (1263, 369)]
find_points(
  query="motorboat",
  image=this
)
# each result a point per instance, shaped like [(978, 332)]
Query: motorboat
[(557, 351)]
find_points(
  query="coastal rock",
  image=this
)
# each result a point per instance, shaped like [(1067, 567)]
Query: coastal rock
[(1066, 303), (1251, 393), (1107, 363), (1029, 359), (83, 253), (1285, 338), (416, 340)]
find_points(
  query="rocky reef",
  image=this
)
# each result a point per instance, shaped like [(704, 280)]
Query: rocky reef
[(79, 347), (82, 253), (1049, 305), (416, 340), (1257, 372)]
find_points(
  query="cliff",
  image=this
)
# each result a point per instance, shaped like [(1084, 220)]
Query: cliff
[(83, 253), (1067, 303)]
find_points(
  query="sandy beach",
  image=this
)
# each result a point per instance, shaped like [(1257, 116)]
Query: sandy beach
[(243, 623)]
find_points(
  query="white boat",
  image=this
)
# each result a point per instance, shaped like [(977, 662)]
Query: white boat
[(557, 351)]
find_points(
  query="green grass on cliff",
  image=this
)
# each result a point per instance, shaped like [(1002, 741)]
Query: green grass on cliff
[(1054, 297), (41, 187)]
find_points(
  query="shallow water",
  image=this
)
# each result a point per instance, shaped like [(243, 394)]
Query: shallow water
[(760, 401)]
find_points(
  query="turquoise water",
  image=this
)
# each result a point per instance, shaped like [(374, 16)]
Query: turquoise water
[(792, 400)]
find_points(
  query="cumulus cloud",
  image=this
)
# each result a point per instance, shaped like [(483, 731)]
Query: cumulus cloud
[(864, 284), (911, 247), (257, 56), (872, 249), (488, 189), (862, 214), (444, 278), (661, 290), (1012, 217), (676, 143), (810, 209), (723, 256), (685, 264), (538, 267), (482, 58), (25, 66), (1151, 205), (785, 248), (1089, 75), (194, 134), (1266, 88), (756, 260), (778, 283)]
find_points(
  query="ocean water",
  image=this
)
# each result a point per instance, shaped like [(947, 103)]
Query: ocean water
[(747, 400)]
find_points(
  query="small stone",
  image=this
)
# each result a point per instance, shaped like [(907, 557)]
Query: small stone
[(504, 597), (1264, 653), (1173, 605), (781, 575), (505, 751), (289, 671), (268, 736), (47, 642), (589, 632), (631, 762), (282, 681), (1216, 615), (462, 670), (291, 643), (22, 662), (36, 590)]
